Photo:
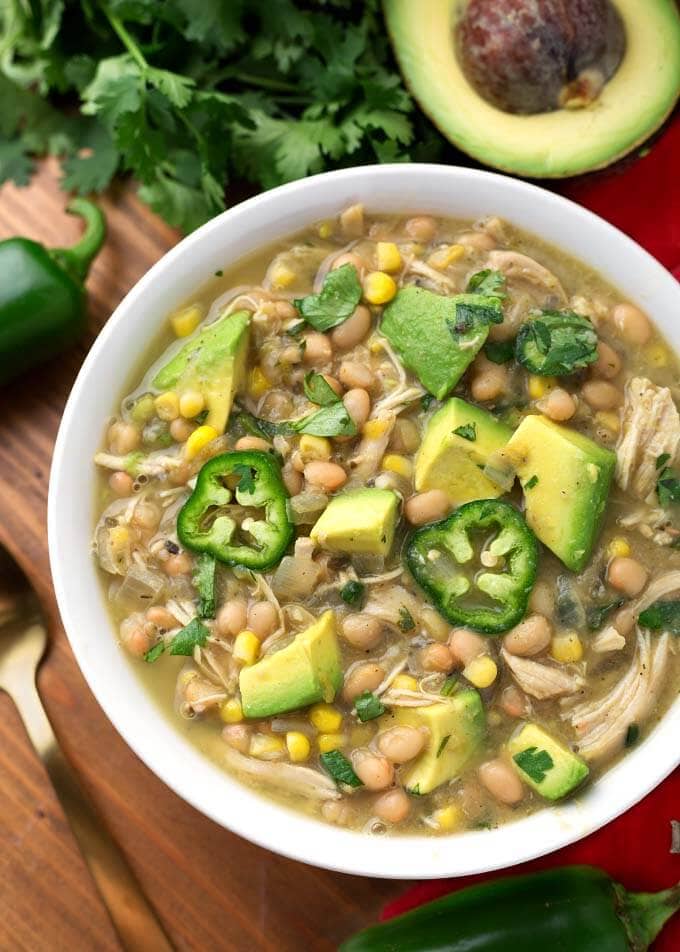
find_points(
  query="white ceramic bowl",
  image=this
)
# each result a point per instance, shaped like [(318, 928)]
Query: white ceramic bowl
[(238, 232)]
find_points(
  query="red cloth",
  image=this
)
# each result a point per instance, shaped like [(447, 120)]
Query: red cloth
[(643, 200)]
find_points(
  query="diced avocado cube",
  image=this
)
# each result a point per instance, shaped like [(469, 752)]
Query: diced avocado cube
[(544, 764), (307, 670), (566, 479), (456, 728), (213, 362), (458, 440), (418, 324), (358, 521)]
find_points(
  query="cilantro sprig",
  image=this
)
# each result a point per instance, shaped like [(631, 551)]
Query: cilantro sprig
[(535, 763), (191, 94)]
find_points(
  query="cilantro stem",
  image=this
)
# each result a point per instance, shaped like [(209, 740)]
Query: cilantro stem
[(262, 82), (127, 40)]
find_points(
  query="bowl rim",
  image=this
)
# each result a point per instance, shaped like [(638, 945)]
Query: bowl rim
[(221, 797)]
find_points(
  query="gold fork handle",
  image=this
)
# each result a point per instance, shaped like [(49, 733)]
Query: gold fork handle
[(133, 918)]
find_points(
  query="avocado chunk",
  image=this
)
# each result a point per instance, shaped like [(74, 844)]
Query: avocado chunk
[(359, 520), (456, 727), (459, 439), (544, 764), (565, 141), (437, 337), (307, 670), (212, 362), (566, 479)]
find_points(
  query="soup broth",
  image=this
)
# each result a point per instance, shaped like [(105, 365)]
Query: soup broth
[(318, 538)]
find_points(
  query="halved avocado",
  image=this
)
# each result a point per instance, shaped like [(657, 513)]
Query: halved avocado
[(633, 103)]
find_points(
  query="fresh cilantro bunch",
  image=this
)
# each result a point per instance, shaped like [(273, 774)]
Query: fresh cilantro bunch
[(189, 95)]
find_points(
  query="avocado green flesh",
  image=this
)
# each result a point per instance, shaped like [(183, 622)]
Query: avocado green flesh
[(632, 104), (456, 728), (450, 462), (565, 504), (358, 521), (306, 671), (566, 773), (415, 323), (212, 362)]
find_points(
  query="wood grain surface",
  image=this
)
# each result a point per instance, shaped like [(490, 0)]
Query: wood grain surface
[(211, 889)]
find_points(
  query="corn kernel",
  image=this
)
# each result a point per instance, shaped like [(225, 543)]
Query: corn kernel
[(167, 405), (258, 383), (186, 321), (539, 386), (231, 711), (328, 742), (201, 436), (143, 409), (657, 355), (481, 671), (375, 346), (446, 255), (400, 465), (119, 536), (566, 647), (609, 420), (191, 403), (375, 428), (246, 647), (266, 747), (281, 276), (379, 288), (314, 447), (388, 256), (448, 818), (405, 682), (298, 745), (618, 547), (325, 718), (325, 229)]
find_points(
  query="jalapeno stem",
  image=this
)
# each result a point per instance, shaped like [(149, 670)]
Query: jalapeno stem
[(645, 914), (77, 259)]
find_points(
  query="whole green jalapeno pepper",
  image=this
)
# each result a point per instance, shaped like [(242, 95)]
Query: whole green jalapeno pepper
[(568, 909), (42, 297)]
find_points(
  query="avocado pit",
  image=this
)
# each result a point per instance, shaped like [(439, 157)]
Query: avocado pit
[(534, 56)]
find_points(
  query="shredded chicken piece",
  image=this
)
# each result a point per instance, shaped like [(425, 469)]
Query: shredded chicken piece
[(651, 522), (156, 465), (663, 585), (601, 725), (609, 639), (366, 461), (302, 781), (650, 428), (524, 274), (541, 680), (440, 280)]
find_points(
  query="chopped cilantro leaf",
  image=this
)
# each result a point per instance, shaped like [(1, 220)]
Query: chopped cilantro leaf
[(219, 273), (499, 351), (186, 639), (442, 745), (662, 616), (328, 421), (426, 401), (596, 614), (246, 483), (339, 296), (662, 460), (530, 483), (468, 431), (556, 343), (204, 580), (352, 593), (319, 391), (339, 768), (489, 282), (155, 652), (449, 686), (406, 622), (534, 762), (668, 487), (632, 735), (368, 706)]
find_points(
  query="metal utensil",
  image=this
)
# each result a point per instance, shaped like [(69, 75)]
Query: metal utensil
[(23, 640)]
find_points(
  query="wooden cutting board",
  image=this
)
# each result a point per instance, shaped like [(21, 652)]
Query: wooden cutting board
[(211, 889)]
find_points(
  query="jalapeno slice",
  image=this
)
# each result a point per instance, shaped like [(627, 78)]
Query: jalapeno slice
[(478, 565), (213, 518)]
